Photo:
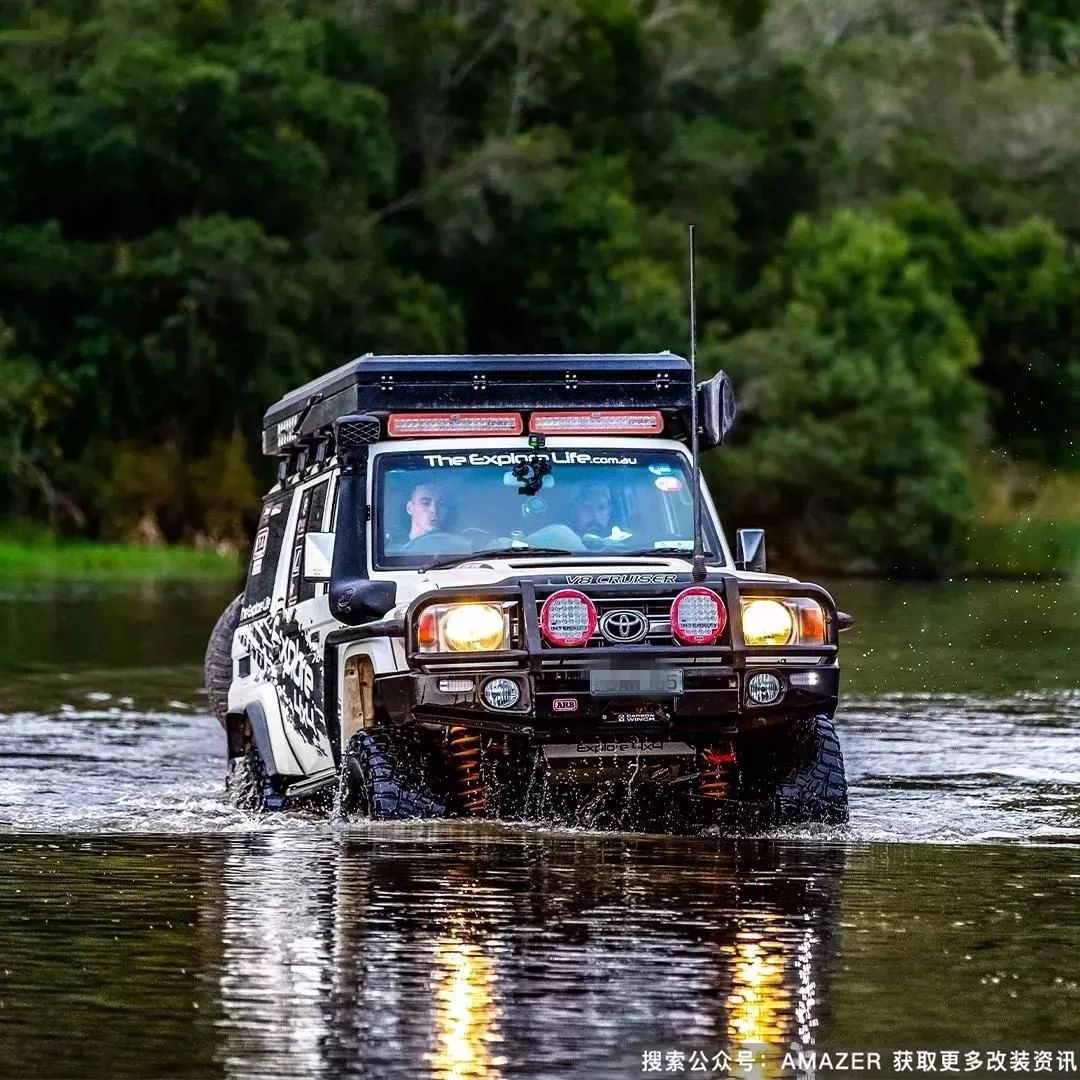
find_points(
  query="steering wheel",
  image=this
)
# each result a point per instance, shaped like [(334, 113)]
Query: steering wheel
[(437, 543), (475, 535)]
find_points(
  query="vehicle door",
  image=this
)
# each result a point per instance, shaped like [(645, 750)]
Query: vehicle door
[(301, 621)]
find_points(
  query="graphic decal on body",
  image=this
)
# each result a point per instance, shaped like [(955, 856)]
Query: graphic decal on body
[(282, 652)]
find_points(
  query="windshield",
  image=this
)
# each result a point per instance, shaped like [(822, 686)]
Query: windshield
[(431, 506)]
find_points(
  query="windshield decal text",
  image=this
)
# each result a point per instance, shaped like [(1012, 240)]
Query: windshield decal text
[(556, 457)]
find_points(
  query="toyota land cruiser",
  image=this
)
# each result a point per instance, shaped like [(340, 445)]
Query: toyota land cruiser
[(473, 588)]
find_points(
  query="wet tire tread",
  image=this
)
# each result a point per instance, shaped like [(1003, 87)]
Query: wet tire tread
[(386, 776), (815, 789)]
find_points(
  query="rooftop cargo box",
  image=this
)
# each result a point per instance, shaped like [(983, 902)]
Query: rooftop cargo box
[(380, 385)]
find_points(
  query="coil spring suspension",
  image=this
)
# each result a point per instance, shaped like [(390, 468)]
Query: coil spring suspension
[(463, 750), (716, 775)]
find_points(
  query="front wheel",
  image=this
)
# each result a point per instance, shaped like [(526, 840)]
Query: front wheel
[(813, 788), (387, 777)]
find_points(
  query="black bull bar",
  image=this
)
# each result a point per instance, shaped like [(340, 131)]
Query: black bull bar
[(713, 672)]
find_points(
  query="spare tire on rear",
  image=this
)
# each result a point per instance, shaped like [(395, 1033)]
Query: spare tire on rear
[(217, 666)]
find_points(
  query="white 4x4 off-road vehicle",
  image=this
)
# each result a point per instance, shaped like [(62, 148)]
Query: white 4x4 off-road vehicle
[(473, 591)]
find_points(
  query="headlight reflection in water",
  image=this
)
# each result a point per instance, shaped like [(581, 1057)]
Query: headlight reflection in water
[(466, 1013)]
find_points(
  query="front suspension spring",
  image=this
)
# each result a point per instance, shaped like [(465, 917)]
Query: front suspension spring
[(716, 774), (463, 750)]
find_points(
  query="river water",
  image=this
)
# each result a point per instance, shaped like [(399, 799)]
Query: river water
[(148, 929)]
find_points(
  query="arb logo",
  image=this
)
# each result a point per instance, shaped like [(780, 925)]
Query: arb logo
[(564, 704)]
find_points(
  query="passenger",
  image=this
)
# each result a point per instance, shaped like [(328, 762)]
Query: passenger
[(590, 510)]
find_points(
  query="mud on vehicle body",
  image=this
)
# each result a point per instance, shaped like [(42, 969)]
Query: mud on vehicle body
[(472, 591)]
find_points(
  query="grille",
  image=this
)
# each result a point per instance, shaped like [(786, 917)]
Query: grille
[(655, 609)]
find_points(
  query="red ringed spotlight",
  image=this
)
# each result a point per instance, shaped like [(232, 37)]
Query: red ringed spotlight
[(568, 618), (698, 616)]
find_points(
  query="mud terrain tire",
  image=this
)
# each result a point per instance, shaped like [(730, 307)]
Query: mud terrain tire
[(387, 777), (814, 789), (217, 667), (247, 785)]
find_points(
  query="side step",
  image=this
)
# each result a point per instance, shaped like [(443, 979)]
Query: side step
[(312, 785)]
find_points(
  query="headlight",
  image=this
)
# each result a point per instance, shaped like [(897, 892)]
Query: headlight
[(473, 627), (463, 628), (795, 620), (766, 622)]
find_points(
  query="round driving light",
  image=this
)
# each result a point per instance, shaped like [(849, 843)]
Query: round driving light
[(473, 627), (568, 618), (698, 616), (766, 622), (501, 693), (763, 688)]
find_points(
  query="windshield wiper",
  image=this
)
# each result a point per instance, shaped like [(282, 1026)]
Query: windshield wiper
[(454, 560), (668, 549)]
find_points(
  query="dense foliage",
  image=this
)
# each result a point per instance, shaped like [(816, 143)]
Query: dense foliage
[(205, 202)]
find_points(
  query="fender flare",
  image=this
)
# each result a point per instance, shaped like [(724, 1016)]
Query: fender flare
[(252, 719)]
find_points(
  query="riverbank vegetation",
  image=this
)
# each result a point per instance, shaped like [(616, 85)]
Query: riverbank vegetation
[(205, 202), (43, 556)]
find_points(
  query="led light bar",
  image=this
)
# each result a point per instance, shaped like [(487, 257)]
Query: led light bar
[(415, 425), (598, 422)]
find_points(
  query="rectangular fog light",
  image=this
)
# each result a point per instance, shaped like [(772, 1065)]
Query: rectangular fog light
[(807, 679), (455, 686)]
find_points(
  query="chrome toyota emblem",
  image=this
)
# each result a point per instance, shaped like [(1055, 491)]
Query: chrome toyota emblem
[(625, 627)]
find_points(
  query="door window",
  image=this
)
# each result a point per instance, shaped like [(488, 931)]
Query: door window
[(309, 519)]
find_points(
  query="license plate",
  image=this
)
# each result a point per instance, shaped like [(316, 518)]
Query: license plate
[(619, 748), (641, 683)]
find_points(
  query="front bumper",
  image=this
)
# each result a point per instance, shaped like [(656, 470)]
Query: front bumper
[(556, 702)]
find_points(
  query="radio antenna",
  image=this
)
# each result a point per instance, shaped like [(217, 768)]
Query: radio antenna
[(697, 566)]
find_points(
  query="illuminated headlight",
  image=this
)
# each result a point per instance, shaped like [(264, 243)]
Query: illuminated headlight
[(766, 622), (763, 688), (795, 620), (463, 628), (501, 693)]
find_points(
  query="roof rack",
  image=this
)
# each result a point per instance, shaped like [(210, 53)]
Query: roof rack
[(379, 385)]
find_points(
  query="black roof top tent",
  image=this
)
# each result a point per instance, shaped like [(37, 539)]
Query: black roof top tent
[(380, 385)]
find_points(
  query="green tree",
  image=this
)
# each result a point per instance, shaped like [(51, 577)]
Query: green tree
[(859, 404)]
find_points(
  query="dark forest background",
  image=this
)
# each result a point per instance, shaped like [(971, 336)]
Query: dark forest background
[(204, 203)]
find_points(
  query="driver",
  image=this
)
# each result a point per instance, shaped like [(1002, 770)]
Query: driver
[(428, 509)]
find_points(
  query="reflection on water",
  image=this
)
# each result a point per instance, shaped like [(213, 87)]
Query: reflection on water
[(466, 1013), (458, 951), (473, 952)]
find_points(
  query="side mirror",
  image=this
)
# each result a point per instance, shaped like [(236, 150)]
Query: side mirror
[(750, 550), (318, 556)]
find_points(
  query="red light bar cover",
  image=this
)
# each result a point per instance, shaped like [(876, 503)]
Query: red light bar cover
[(598, 422), (416, 425)]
